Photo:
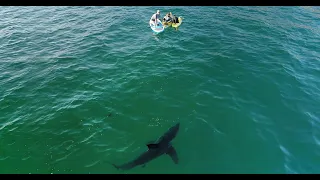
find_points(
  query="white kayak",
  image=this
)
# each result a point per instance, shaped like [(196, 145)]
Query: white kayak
[(157, 29)]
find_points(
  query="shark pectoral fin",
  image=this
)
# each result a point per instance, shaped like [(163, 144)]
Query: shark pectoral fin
[(144, 165), (173, 154), (152, 146)]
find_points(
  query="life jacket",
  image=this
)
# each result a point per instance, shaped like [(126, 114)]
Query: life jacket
[(175, 19), (167, 19)]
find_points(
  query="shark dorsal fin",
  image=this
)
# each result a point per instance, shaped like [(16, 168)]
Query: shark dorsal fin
[(152, 146)]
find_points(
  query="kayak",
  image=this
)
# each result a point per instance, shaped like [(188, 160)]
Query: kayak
[(156, 29), (175, 25), (166, 24)]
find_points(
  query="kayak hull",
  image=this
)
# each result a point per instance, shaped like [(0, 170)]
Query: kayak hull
[(156, 29), (175, 25)]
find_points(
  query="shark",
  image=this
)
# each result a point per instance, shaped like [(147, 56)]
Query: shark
[(162, 146)]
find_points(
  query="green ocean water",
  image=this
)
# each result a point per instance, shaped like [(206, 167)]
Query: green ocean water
[(84, 86)]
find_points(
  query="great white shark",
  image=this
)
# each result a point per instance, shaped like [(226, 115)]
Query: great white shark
[(155, 149)]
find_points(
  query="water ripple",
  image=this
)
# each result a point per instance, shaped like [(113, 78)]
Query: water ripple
[(62, 74)]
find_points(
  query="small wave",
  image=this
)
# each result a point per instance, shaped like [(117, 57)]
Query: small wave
[(261, 119), (10, 122), (211, 126), (26, 158), (316, 140), (4, 158), (88, 138), (285, 151), (104, 150), (125, 148), (289, 170), (92, 164), (62, 158)]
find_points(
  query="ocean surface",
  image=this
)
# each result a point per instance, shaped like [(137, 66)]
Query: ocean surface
[(83, 87)]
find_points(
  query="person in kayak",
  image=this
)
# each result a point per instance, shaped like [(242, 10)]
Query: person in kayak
[(174, 18), (155, 17), (167, 18)]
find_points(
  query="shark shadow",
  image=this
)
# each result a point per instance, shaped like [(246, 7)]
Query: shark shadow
[(155, 149)]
